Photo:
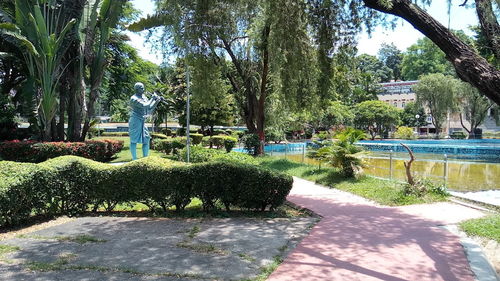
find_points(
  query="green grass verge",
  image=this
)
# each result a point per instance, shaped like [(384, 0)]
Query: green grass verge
[(487, 227), (124, 155), (382, 191)]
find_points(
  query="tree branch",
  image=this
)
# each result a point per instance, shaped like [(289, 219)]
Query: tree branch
[(469, 66)]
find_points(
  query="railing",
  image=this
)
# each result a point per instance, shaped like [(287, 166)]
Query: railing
[(391, 168)]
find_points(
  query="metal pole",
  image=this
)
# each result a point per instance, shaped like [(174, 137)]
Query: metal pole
[(286, 149), (188, 141), (390, 164), (445, 170), (303, 153), (272, 148)]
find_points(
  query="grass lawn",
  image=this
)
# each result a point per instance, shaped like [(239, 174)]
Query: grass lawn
[(381, 191), (124, 155), (487, 227)]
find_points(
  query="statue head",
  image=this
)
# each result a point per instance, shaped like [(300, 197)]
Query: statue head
[(139, 88)]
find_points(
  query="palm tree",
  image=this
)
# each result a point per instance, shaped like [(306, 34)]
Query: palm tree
[(37, 28)]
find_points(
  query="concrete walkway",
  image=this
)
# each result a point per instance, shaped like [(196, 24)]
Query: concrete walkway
[(358, 240)]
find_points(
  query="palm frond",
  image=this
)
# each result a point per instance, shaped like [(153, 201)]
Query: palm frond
[(151, 21)]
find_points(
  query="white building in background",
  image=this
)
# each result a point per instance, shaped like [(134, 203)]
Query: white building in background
[(400, 93)]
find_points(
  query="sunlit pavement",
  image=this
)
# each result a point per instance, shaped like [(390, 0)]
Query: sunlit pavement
[(359, 240)]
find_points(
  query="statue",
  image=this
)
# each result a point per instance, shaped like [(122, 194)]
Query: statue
[(141, 106)]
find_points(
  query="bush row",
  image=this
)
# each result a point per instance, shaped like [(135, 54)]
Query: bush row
[(200, 154), (35, 152), (220, 141), (71, 185)]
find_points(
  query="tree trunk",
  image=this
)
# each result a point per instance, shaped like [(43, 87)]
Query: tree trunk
[(489, 25), (469, 66), (261, 114), (407, 165)]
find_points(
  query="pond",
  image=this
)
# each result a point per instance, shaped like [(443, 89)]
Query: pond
[(463, 173)]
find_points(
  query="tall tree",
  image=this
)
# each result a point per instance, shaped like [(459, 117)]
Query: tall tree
[(375, 67), (474, 107), (437, 92), (422, 58), (376, 117), (391, 56), (266, 42)]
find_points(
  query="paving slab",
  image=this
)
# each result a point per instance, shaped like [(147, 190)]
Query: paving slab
[(360, 240), (153, 249)]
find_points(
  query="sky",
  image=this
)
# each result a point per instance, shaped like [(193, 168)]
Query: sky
[(403, 36)]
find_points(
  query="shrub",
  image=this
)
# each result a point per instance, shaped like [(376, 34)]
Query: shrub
[(251, 143), (181, 132), (114, 134), (200, 154), (159, 136), (34, 152), (458, 135), (196, 138), (169, 145), (69, 185), (404, 133), (229, 143), (167, 132), (217, 141)]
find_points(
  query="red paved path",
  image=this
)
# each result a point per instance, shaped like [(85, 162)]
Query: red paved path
[(358, 240)]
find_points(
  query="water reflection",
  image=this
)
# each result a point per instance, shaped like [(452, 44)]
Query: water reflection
[(462, 175)]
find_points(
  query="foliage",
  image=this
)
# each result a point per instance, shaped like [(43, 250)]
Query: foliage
[(201, 154), (342, 153), (8, 125), (229, 143), (474, 106), (374, 67), (169, 145), (376, 117), (41, 30), (251, 143), (409, 113), (405, 133), (459, 135), (437, 92), (35, 152), (424, 58), (69, 185), (196, 138), (391, 56), (337, 114)]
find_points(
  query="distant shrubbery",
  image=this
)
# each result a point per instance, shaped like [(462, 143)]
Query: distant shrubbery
[(71, 185), (405, 133), (35, 152), (200, 154)]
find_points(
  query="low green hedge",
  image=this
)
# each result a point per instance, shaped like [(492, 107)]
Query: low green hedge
[(71, 185), (114, 134), (169, 145), (36, 152), (198, 154)]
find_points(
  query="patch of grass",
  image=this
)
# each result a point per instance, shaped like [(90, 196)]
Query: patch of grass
[(6, 249), (487, 227), (246, 257), (267, 270), (203, 248), (62, 264), (193, 231), (382, 191), (80, 239)]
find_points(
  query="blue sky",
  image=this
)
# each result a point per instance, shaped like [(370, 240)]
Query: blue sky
[(402, 36)]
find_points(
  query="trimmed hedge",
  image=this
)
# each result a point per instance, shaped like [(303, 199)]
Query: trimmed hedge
[(200, 155), (71, 185), (114, 134), (169, 145), (36, 152)]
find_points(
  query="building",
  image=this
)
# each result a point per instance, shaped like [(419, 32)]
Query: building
[(400, 93)]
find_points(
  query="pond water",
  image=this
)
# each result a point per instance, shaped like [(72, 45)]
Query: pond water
[(462, 175)]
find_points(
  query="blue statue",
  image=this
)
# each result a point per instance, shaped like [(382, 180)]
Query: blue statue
[(141, 106)]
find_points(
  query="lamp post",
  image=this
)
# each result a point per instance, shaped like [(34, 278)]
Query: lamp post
[(417, 116), (188, 141)]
